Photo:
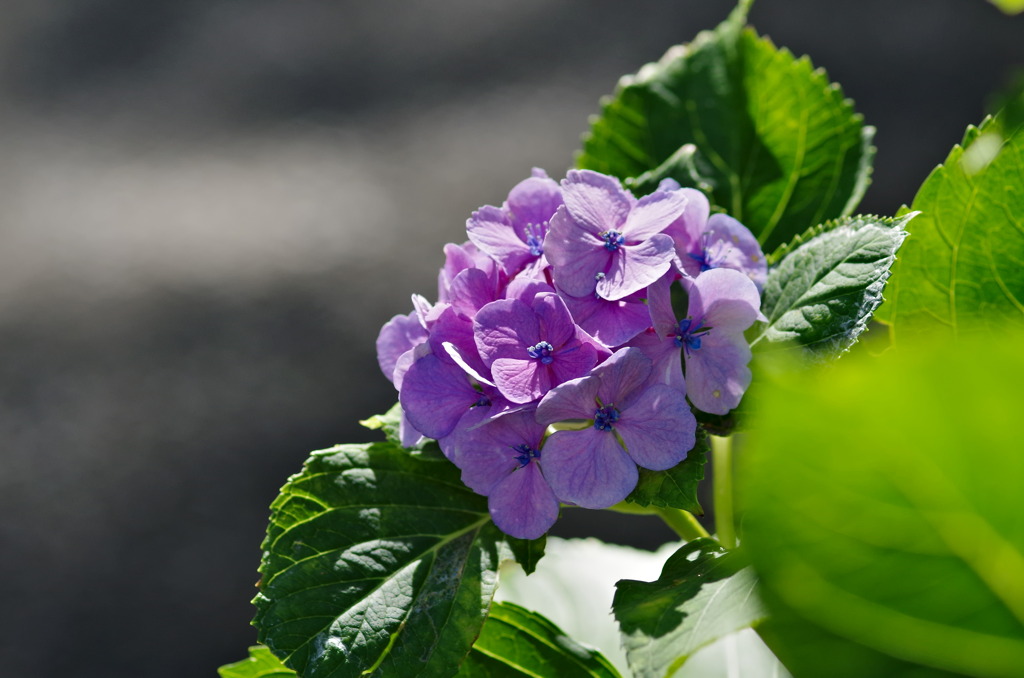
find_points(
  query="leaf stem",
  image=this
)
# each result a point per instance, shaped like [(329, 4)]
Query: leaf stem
[(721, 461), (683, 523)]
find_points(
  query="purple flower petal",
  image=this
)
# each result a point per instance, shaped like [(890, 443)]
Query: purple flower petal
[(717, 374), (588, 468), (484, 448), (534, 200), (622, 376), (577, 256), (666, 359), (635, 267), (653, 213), (726, 299), (520, 380), (435, 394), (473, 289), (530, 349), (523, 505), (490, 228), (575, 399), (659, 301), (658, 428), (398, 335), (597, 202), (613, 323), (502, 328)]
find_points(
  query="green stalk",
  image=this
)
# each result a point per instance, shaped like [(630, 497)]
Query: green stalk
[(683, 523), (721, 460)]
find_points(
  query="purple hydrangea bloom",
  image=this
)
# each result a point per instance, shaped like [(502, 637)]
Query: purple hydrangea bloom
[(514, 233), (501, 459), (530, 348), (606, 241), (632, 423), (723, 303)]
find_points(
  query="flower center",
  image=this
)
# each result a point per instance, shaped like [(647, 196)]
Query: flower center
[(605, 418), (690, 338), (613, 240), (526, 454), (702, 260), (535, 237), (712, 253), (542, 352)]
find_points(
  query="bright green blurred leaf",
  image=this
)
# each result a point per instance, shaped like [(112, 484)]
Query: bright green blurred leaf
[(261, 664), (376, 561), (1009, 6), (962, 269), (516, 642), (882, 510), (677, 486), (822, 292), (776, 143), (704, 593)]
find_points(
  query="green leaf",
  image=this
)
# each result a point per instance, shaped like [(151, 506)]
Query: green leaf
[(823, 292), (962, 269), (376, 561), (677, 486), (774, 142), (261, 664), (1009, 6), (527, 552), (704, 593), (386, 423), (881, 508), (517, 642)]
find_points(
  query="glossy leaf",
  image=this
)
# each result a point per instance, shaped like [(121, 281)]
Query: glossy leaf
[(677, 486), (824, 290), (774, 142), (376, 561), (704, 593), (962, 270), (881, 509), (261, 664), (527, 552), (517, 642)]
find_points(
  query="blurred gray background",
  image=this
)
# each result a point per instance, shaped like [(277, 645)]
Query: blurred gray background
[(207, 210)]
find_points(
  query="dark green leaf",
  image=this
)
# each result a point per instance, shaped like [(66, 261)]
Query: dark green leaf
[(376, 561), (881, 508), (677, 486), (823, 292), (704, 594), (516, 642), (261, 664), (775, 144), (962, 270), (527, 552)]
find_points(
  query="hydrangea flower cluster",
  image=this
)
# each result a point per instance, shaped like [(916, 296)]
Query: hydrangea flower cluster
[(553, 363)]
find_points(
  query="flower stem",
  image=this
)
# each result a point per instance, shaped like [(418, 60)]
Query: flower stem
[(683, 523), (721, 460)]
